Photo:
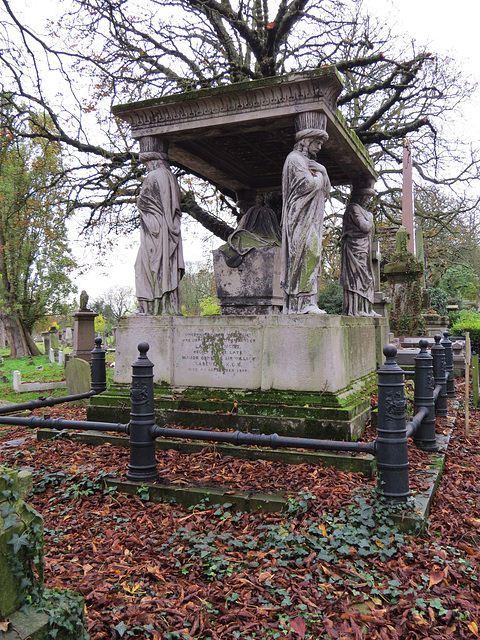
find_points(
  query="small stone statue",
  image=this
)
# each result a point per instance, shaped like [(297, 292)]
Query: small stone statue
[(356, 273), (83, 301), (305, 186), (258, 228), (159, 266)]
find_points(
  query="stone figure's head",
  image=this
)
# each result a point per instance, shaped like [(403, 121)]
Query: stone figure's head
[(310, 141), (153, 159), (362, 195)]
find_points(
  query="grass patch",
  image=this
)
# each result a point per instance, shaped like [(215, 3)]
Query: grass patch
[(34, 369)]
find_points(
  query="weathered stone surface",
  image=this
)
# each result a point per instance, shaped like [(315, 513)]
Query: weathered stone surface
[(252, 288), (78, 376), (304, 353), (83, 334), (356, 275), (15, 520), (159, 266), (31, 624), (305, 187), (222, 134)]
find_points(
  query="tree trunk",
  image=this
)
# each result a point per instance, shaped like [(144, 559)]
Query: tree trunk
[(20, 341)]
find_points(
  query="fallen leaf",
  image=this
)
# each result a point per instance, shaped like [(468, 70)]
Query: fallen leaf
[(473, 627), (435, 578), (298, 625)]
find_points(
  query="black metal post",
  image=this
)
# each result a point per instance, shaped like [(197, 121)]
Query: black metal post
[(142, 467), (439, 374), (97, 367), (392, 442), (447, 345), (425, 437)]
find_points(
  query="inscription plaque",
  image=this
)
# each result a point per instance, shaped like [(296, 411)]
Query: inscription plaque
[(228, 358)]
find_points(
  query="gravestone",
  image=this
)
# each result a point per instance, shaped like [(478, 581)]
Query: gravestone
[(78, 376), (46, 342), (21, 570), (2, 336), (69, 336)]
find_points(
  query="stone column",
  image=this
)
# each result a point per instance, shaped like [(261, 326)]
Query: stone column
[(407, 196), (83, 334), (380, 301)]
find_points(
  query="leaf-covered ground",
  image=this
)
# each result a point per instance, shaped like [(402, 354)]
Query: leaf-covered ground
[(324, 569)]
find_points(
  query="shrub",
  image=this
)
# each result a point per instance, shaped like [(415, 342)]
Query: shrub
[(330, 298), (468, 320)]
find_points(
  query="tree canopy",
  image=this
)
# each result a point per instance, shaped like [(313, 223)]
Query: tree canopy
[(112, 52), (35, 261)]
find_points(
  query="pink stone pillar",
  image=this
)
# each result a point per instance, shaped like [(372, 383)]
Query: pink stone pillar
[(407, 195)]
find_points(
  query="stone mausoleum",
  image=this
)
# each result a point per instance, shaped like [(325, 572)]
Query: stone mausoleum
[(252, 366)]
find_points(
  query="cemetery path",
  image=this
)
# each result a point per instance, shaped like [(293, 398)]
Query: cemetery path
[(332, 566)]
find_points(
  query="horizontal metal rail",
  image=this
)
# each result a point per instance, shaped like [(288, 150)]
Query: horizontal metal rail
[(45, 402), (38, 422), (416, 421), (264, 440), (436, 392)]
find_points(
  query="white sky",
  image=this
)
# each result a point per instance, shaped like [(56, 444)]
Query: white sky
[(450, 29)]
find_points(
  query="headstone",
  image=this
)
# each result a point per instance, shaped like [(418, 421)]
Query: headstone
[(51, 355), (21, 569), (69, 337), (54, 340), (46, 342), (78, 376), (61, 357)]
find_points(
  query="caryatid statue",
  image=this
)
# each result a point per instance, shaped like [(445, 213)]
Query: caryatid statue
[(159, 266), (356, 273), (305, 187)]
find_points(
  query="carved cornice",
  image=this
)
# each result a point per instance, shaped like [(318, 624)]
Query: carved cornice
[(235, 104)]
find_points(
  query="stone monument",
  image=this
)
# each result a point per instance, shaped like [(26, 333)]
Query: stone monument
[(404, 276), (159, 266), (298, 372), (83, 330), (356, 273), (305, 186)]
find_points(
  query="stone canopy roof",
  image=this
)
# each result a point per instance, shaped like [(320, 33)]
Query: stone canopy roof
[(238, 136)]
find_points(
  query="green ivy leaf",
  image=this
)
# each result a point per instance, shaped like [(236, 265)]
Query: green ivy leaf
[(18, 542), (11, 521), (120, 628)]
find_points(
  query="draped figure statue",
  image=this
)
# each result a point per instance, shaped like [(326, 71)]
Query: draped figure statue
[(159, 266), (305, 186), (356, 273)]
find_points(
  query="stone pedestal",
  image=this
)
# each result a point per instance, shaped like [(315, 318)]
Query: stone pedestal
[(404, 274), (297, 375), (434, 324), (83, 334), (284, 352), (251, 288)]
